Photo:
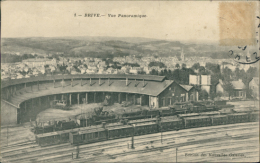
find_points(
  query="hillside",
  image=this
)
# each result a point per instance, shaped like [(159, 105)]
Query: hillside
[(108, 47)]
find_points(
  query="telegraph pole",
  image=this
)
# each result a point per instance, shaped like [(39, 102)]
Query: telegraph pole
[(133, 138), (161, 135), (7, 135), (176, 154)]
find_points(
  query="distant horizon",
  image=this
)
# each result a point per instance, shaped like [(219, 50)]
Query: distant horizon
[(118, 37)]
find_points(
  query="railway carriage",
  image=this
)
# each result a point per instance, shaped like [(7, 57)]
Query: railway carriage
[(93, 135), (198, 109), (167, 112), (138, 121), (88, 136), (106, 121), (64, 136), (210, 108), (212, 113), (126, 128), (136, 117), (254, 117), (75, 138), (119, 131), (145, 128), (47, 138), (219, 119), (168, 124), (238, 118), (188, 115), (181, 108), (197, 121), (152, 113)]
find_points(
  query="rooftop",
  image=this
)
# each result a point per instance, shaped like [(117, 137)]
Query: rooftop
[(186, 87), (152, 88), (119, 127), (238, 84), (197, 117), (83, 76), (146, 124)]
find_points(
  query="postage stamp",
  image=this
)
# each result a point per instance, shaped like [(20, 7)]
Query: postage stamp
[(129, 81)]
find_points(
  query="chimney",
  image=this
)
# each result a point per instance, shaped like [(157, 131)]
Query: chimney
[(90, 81), (126, 81), (108, 81), (143, 83), (99, 81)]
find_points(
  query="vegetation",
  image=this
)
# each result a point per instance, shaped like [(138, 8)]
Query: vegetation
[(11, 58), (131, 64), (157, 64)]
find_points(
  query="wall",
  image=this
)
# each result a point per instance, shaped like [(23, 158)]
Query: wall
[(174, 92), (154, 102), (206, 88), (8, 114)]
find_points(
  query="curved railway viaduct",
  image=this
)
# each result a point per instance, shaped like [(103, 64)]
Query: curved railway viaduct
[(30, 96)]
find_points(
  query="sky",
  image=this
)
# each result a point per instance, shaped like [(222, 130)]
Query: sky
[(165, 20)]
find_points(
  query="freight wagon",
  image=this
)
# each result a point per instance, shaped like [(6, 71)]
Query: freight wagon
[(197, 121), (141, 127)]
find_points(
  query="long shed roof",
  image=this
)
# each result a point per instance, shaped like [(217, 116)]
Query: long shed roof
[(152, 88), (5, 83)]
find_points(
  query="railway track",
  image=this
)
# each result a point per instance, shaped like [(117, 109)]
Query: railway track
[(238, 147), (18, 151), (15, 147), (66, 154), (161, 148), (53, 155), (204, 148)]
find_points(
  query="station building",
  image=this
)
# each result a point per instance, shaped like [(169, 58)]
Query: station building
[(23, 99)]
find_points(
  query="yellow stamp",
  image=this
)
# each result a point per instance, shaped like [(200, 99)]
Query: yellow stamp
[(237, 23)]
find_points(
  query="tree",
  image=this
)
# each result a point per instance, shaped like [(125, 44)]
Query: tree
[(141, 72), (160, 64), (196, 66), (154, 72), (204, 94), (215, 68), (227, 74), (252, 71), (228, 87), (183, 65), (202, 69), (177, 65)]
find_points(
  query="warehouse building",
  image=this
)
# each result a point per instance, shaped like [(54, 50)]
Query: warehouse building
[(30, 96)]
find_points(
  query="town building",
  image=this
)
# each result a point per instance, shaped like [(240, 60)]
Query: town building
[(239, 89)]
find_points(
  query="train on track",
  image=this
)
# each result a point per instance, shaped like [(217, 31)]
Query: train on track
[(103, 116), (128, 128)]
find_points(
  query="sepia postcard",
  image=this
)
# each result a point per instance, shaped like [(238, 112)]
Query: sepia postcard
[(129, 81)]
